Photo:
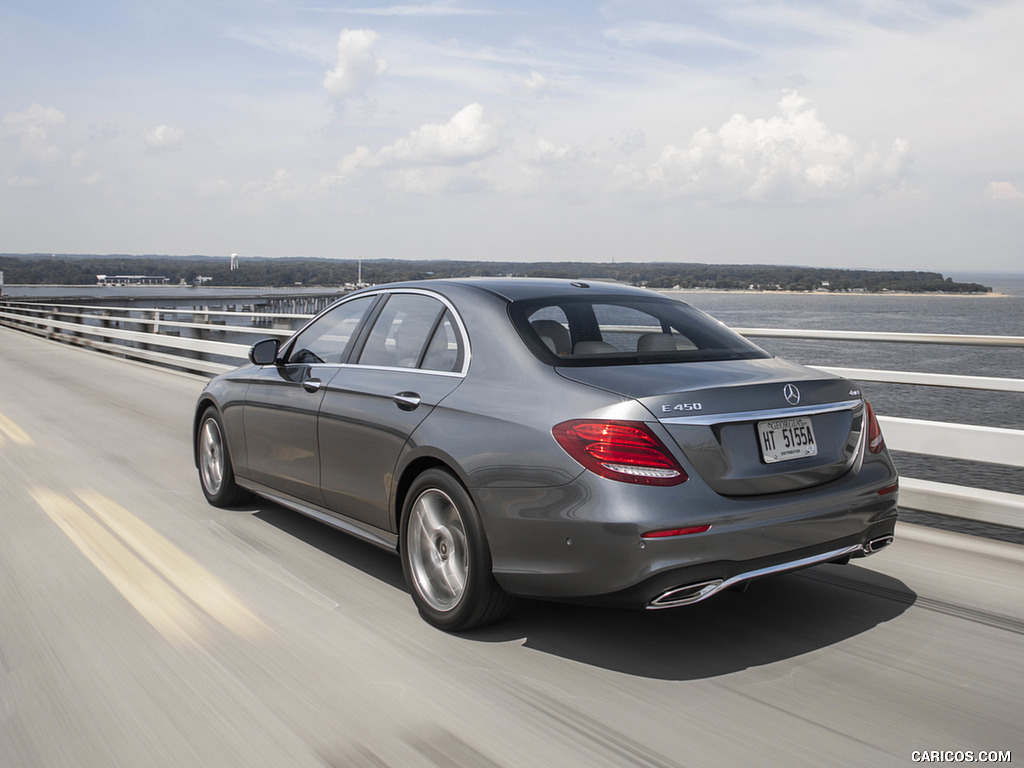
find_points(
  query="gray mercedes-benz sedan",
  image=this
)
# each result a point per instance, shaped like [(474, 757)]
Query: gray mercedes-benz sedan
[(550, 439)]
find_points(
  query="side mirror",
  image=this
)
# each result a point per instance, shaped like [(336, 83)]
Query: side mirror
[(264, 352)]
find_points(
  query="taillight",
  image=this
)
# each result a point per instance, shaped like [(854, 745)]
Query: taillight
[(627, 451), (875, 440)]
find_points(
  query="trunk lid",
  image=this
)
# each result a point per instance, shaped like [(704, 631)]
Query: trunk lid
[(748, 427)]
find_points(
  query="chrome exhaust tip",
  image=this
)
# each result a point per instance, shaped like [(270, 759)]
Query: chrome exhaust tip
[(687, 595), (878, 544)]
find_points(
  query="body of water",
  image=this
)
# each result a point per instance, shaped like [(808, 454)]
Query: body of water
[(996, 315)]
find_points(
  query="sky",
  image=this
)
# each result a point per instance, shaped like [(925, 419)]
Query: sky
[(876, 134)]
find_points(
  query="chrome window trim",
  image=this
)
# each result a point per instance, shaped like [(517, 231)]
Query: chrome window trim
[(290, 341), (458, 322), (393, 369), (782, 413), (389, 292), (397, 369)]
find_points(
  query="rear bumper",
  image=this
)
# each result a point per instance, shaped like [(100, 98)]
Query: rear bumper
[(689, 593), (577, 543)]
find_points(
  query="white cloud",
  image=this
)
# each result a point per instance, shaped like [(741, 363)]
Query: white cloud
[(547, 153), (566, 172), (34, 116), (791, 156), (465, 138), (357, 65), (1003, 190), (432, 158), (537, 85), (164, 137), (29, 130)]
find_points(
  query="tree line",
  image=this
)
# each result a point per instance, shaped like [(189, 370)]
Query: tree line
[(71, 269)]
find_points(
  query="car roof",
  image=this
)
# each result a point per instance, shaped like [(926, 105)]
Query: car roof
[(519, 288)]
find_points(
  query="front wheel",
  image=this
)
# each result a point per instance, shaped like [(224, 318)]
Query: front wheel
[(216, 474), (445, 557)]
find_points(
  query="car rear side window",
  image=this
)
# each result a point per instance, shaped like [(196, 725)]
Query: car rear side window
[(595, 330), (400, 334), (445, 351)]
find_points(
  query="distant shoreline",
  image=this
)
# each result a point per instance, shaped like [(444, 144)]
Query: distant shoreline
[(328, 288), (949, 294)]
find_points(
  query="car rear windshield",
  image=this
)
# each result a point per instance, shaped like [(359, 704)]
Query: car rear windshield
[(616, 330)]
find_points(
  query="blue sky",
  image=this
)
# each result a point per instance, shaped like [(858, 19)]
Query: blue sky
[(855, 133)]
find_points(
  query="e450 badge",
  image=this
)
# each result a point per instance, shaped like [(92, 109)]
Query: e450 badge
[(682, 407)]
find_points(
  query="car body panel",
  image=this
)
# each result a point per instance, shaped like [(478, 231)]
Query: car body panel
[(347, 451), (362, 431), (711, 410), (280, 424)]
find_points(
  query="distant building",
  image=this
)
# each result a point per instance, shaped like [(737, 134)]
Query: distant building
[(112, 280)]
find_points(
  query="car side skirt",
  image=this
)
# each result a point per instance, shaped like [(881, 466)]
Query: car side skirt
[(376, 536)]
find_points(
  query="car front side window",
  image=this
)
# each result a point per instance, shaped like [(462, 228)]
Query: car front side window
[(328, 338)]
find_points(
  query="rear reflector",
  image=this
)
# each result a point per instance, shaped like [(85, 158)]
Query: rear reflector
[(627, 451), (675, 532)]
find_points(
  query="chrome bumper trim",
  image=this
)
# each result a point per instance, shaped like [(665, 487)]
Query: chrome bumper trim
[(693, 593)]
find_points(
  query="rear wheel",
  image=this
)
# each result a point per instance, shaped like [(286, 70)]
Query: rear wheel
[(216, 474), (445, 556)]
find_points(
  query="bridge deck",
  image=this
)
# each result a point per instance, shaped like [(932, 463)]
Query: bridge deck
[(142, 627)]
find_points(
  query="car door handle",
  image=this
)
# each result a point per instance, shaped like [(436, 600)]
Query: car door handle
[(407, 401), (312, 385)]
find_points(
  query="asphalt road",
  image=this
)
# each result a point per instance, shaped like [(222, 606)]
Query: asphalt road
[(140, 627)]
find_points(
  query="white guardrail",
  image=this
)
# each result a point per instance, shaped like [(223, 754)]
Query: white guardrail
[(181, 338)]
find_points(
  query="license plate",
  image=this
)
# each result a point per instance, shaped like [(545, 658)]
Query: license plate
[(786, 439)]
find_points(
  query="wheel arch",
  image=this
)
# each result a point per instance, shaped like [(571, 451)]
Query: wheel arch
[(413, 469), (201, 406)]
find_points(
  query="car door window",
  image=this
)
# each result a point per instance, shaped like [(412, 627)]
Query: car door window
[(401, 331), (445, 351), (327, 339)]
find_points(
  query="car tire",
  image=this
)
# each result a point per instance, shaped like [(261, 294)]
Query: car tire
[(445, 557), (216, 472)]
